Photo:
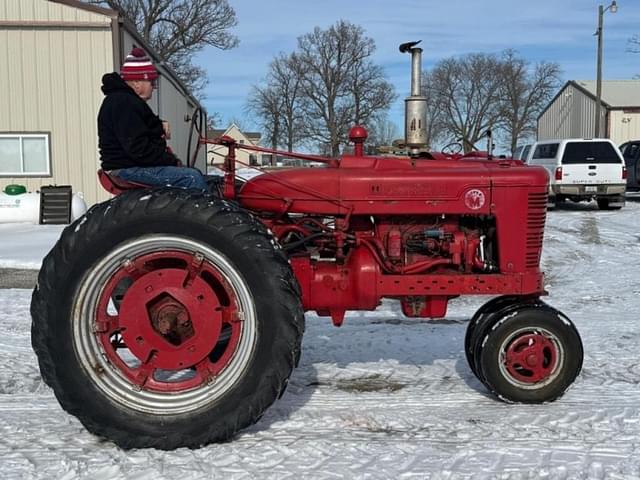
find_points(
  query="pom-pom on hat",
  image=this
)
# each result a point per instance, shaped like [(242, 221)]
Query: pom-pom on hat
[(138, 66)]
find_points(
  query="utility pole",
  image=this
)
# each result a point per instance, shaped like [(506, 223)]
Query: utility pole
[(601, 9)]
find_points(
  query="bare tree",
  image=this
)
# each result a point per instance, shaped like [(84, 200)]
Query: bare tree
[(285, 78), (287, 75), (371, 92), (436, 120), (238, 122), (469, 95), (524, 94), (266, 103), (213, 120), (177, 29), (634, 47), (382, 132), (277, 103), (340, 84)]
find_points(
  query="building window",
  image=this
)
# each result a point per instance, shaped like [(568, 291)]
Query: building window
[(25, 154)]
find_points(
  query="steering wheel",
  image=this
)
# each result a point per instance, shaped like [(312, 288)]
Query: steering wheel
[(452, 148), (197, 125)]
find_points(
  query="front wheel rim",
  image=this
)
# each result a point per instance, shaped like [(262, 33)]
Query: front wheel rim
[(193, 344), (531, 358)]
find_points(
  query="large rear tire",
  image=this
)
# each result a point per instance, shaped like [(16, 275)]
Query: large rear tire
[(166, 319)]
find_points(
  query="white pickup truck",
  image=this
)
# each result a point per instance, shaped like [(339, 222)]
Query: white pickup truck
[(581, 170)]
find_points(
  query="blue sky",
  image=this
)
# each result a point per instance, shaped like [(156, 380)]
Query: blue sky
[(552, 30)]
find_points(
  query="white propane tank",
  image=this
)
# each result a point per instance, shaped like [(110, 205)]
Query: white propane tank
[(78, 206), (25, 207)]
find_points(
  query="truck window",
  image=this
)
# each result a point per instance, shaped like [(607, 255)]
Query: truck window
[(589, 152), (525, 152), (546, 150)]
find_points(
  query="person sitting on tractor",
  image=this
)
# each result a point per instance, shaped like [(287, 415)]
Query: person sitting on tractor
[(132, 139)]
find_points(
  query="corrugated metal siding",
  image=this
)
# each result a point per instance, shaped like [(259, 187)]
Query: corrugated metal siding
[(174, 107), (615, 93), (42, 10), (53, 86), (623, 126), (571, 115)]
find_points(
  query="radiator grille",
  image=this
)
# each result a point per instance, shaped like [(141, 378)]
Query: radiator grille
[(537, 214)]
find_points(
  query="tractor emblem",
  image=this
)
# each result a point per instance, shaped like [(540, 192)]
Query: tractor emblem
[(474, 199)]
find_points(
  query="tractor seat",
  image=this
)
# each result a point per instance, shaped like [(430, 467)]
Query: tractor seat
[(115, 185)]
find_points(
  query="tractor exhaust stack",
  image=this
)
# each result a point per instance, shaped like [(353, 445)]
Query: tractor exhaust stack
[(415, 106)]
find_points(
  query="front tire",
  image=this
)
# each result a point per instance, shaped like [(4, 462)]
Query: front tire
[(205, 335), (478, 323), (531, 355)]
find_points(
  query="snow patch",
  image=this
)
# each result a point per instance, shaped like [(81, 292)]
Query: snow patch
[(440, 422)]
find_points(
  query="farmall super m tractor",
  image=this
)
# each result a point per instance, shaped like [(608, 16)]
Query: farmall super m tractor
[(167, 318)]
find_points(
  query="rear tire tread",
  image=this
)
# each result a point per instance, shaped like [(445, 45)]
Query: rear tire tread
[(58, 270)]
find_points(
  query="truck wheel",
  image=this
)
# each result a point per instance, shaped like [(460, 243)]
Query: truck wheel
[(551, 202), (206, 333), (603, 204), (531, 355)]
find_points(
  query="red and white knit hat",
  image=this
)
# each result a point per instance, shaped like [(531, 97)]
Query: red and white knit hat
[(138, 66)]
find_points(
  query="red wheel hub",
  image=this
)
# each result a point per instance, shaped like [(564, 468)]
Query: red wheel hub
[(169, 325), (531, 358), (178, 314)]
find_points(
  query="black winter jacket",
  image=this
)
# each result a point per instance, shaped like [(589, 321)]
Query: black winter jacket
[(129, 133)]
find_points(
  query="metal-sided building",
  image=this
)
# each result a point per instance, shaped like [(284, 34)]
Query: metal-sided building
[(571, 113), (52, 56)]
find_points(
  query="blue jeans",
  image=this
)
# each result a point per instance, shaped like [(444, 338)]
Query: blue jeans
[(183, 177)]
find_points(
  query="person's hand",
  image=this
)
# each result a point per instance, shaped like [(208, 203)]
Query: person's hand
[(167, 129)]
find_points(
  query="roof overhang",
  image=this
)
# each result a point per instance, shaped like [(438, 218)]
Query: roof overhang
[(119, 22), (88, 7)]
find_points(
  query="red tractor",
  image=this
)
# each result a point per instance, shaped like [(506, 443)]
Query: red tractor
[(165, 318)]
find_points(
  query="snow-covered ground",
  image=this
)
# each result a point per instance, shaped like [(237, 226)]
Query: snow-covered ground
[(384, 396), (24, 245)]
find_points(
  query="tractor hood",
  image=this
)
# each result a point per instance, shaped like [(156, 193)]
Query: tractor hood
[(389, 186)]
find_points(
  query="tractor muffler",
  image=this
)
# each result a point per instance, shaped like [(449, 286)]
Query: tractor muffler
[(415, 106)]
